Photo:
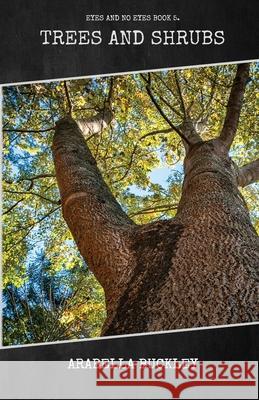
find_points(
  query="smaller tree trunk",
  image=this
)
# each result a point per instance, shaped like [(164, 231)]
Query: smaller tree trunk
[(99, 226)]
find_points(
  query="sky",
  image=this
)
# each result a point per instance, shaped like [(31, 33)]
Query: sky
[(158, 175)]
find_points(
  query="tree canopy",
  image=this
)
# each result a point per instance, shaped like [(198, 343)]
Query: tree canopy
[(140, 155)]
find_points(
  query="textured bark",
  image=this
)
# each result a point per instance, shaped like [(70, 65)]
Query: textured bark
[(199, 269), (99, 226)]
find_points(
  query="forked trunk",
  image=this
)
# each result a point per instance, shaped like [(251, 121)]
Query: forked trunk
[(198, 269)]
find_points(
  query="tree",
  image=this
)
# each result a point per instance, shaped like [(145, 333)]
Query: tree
[(51, 306), (172, 258)]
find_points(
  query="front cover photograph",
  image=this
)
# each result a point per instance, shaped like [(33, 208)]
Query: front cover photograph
[(130, 203)]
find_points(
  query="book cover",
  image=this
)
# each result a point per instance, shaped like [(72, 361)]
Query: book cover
[(130, 199)]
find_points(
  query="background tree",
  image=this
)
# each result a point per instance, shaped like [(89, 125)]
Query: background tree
[(133, 125), (52, 306)]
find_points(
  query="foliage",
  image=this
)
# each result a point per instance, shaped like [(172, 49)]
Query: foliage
[(130, 153), (51, 306)]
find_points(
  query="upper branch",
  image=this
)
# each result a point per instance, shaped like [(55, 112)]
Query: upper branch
[(234, 105), (68, 98), (92, 126), (95, 125), (189, 131), (12, 207), (29, 130), (180, 93), (33, 194), (161, 112), (249, 173), (135, 148), (186, 129)]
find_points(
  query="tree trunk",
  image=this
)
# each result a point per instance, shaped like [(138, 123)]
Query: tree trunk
[(197, 269)]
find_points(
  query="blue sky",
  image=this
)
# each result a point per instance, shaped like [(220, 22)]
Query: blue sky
[(158, 175)]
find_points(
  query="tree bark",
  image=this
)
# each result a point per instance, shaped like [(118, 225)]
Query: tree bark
[(99, 226), (198, 269), (201, 268)]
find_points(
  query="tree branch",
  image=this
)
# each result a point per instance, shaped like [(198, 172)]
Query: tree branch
[(29, 130), (93, 126), (249, 173), (109, 97), (180, 93), (31, 178), (31, 228), (161, 112), (172, 108), (155, 209), (186, 130), (190, 133), (152, 133), (234, 105), (33, 194), (13, 206), (68, 98)]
